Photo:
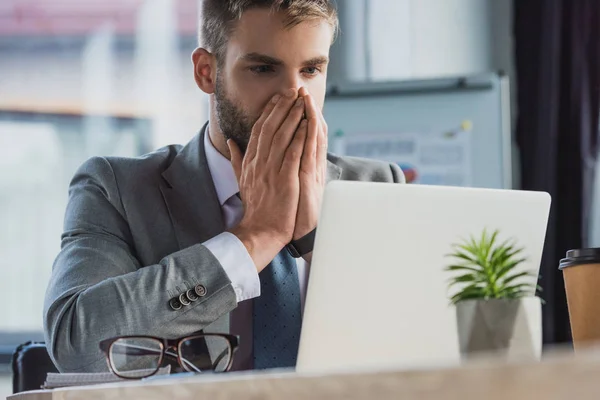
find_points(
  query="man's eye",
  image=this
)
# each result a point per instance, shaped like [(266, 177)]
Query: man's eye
[(311, 70), (262, 69)]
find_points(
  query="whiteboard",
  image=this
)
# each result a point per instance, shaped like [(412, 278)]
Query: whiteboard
[(428, 106)]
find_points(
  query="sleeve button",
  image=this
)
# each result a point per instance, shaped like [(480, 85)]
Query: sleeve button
[(175, 304), (191, 295), (184, 300), (200, 290)]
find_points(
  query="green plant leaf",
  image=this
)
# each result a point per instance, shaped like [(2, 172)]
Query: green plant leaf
[(464, 296), (472, 293), (469, 251), (515, 291), (515, 295), (512, 253), (487, 267), (473, 287), (519, 286), (469, 288), (463, 279), (472, 242), (476, 291), (489, 244), (464, 268), (509, 267), (476, 246), (511, 278), (499, 253), (463, 256), (480, 253), (466, 248), (507, 262)]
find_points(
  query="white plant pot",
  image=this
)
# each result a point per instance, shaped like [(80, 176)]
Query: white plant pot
[(511, 329)]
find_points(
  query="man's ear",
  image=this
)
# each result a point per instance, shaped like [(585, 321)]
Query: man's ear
[(205, 70)]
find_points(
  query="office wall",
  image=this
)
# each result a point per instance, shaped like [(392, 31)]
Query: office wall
[(444, 37), (400, 39), (422, 38), (450, 37), (411, 39), (66, 78)]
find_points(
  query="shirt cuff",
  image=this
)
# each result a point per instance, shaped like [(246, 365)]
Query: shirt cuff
[(237, 263)]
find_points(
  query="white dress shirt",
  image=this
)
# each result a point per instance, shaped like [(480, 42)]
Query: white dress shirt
[(234, 257)]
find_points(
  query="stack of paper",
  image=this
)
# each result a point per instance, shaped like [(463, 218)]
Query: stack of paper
[(54, 380)]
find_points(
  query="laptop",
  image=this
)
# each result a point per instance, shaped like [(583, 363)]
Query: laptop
[(378, 295)]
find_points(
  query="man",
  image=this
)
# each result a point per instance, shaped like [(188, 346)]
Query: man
[(193, 238)]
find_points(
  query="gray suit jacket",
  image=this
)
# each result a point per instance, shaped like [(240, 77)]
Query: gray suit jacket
[(132, 240)]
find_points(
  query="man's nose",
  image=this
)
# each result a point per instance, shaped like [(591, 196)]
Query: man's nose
[(294, 82)]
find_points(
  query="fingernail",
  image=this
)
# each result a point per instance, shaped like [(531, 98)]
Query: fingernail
[(303, 123), (290, 92), (276, 98), (299, 102)]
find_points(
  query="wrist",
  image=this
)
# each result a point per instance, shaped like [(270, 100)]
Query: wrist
[(301, 232), (261, 246), (302, 246)]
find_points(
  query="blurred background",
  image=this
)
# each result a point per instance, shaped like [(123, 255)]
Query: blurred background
[(114, 77)]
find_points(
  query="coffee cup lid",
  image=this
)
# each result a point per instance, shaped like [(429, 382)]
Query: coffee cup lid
[(580, 256)]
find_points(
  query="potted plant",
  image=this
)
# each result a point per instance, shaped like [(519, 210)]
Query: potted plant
[(497, 307)]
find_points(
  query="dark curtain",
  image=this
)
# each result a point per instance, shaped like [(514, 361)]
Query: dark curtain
[(557, 49)]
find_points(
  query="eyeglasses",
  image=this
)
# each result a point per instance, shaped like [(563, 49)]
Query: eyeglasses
[(136, 357)]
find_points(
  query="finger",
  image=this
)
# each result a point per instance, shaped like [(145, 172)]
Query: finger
[(311, 106), (309, 155), (273, 122), (321, 145), (256, 129), (314, 113), (293, 154), (286, 132), (236, 159), (303, 92), (322, 142)]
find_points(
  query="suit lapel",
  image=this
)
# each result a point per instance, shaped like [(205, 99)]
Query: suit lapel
[(190, 195)]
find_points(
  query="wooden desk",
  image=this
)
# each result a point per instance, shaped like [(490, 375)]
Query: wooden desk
[(560, 376)]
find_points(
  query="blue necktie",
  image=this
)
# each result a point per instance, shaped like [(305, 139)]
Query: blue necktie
[(277, 314)]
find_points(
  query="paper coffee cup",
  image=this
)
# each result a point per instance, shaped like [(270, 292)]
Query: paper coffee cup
[(581, 271)]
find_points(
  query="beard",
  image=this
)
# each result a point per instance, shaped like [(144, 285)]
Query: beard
[(234, 122)]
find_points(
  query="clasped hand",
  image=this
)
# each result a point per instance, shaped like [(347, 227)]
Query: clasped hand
[(282, 175)]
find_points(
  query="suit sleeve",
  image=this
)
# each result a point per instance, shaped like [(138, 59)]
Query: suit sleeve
[(98, 289)]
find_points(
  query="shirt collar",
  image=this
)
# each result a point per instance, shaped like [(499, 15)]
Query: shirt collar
[(221, 171)]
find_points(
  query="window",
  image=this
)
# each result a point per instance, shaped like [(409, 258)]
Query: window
[(78, 79)]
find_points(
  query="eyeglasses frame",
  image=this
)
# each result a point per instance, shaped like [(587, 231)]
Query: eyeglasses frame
[(106, 346)]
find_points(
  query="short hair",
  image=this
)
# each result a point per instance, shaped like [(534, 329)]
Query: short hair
[(218, 18)]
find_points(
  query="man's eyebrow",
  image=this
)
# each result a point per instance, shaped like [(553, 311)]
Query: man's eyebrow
[(265, 59), (316, 61), (261, 58)]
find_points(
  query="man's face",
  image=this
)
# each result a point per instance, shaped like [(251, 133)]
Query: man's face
[(264, 58)]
